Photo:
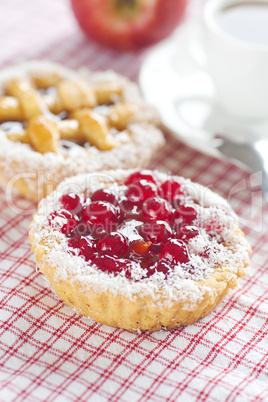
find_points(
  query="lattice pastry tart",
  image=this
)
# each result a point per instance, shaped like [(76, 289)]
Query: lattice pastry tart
[(137, 249), (56, 123)]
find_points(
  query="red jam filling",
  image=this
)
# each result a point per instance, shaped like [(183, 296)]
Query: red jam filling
[(149, 223)]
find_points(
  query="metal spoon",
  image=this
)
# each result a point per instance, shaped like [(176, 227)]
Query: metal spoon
[(252, 154)]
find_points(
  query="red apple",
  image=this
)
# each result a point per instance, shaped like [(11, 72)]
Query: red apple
[(128, 24)]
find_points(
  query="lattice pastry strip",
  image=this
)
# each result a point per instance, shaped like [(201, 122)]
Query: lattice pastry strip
[(10, 109), (44, 134), (45, 80), (120, 114), (56, 123), (93, 126), (29, 99), (78, 97), (108, 92)]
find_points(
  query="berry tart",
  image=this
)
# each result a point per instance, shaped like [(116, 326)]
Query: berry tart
[(138, 249), (56, 123)]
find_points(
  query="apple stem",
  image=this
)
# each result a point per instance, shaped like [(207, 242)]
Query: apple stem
[(126, 6), (123, 3)]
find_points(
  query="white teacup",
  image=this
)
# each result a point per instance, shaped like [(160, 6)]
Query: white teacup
[(237, 61)]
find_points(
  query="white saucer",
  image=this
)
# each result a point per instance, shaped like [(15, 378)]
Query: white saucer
[(173, 77)]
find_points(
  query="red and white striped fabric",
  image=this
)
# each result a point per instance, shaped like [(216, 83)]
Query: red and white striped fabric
[(48, 352)]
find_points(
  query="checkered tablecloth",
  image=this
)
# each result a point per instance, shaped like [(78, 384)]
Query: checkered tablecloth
[(48, 352)]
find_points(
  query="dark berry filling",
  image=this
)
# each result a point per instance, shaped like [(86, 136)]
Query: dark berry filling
[(149, 224)]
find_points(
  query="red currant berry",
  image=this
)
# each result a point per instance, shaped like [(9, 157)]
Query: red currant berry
[(141, 175), (71, 202), (68, 228), (160, 266), (105, 194), (129, 210), (115, 244), (149, 260), (64, 220), (157, 208), (107, 263), (156, 232), (83, 229), (98, 230), (101, 214), (141, 191), (186, 212), (170, 190), (175, 251), (186, 232), (86, 248)]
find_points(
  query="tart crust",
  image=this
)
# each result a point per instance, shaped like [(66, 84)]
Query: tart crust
[(34, 175), (116, 301)]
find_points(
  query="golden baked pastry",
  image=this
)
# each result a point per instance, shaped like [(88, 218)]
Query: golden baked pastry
[(56, 123), (138, 249)]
